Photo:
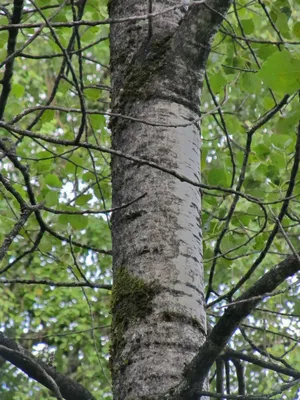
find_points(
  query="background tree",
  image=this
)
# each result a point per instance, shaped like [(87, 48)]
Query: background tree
[(55, 199)]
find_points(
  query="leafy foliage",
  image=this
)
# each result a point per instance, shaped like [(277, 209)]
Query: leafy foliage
[(58, 91)]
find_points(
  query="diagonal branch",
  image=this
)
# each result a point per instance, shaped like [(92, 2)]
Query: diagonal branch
[(42, 372), (50, 381), (233, 354), (197, 371)]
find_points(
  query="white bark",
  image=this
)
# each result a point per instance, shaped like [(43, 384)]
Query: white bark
[(157, 244), (158, 240)]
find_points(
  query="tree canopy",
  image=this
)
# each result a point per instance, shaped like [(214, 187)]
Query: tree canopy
[(55, 192)]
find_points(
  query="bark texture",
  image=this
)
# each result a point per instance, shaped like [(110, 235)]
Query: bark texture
[(157, 70)]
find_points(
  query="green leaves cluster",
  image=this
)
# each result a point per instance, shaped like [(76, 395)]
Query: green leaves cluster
[(254, 63), (69, 322)]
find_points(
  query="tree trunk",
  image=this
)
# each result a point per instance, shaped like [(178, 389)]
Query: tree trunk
[(157, 68)]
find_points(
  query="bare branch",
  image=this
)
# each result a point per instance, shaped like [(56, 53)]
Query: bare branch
[(56, 284), (41, 372), (196, 372)]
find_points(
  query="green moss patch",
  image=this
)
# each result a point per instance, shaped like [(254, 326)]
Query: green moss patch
[(131, 301)]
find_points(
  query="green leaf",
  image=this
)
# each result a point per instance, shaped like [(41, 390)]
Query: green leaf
[(17, 90), (83, 200), (53, 180), (251, 82), (262, 151), (248, 26), (217, 82), (44, 166), (52, 198), (280, 7), (90, 33), (48, 127), (281, 141), (45, 245), (97, 121), (48, 116), (265, 51), (219, 176), (77, 222), (3, 35), (88, 177), (281, 72), (92, 94), (296, 29)]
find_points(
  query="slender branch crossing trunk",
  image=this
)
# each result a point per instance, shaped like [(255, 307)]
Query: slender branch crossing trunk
[(157, 68)]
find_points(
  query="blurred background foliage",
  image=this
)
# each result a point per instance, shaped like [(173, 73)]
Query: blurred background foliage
[(60, 88)]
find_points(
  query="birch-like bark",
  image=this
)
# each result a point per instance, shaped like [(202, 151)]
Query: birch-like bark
[(157, 68)]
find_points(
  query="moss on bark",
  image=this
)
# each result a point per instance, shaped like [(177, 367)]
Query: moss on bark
[(131, 301)]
